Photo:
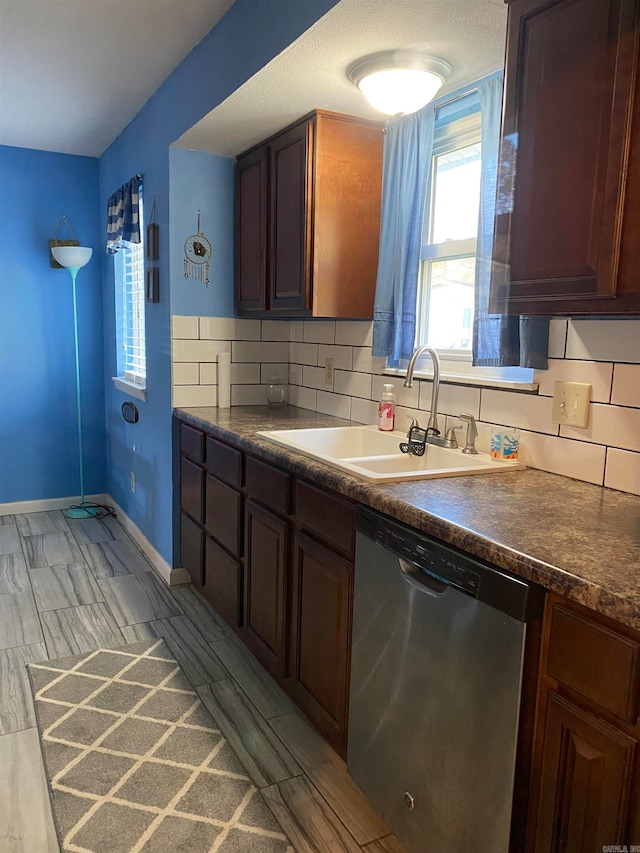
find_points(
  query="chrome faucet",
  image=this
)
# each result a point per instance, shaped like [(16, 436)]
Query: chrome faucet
[(433, 433)]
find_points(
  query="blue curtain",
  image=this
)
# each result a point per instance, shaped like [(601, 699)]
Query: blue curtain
[(408, 149), (498, 341), (123, 215)]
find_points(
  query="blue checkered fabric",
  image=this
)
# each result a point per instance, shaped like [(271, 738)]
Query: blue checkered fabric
[(123, 216)]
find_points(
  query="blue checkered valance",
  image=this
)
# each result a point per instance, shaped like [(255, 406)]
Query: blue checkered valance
[(123, 215)]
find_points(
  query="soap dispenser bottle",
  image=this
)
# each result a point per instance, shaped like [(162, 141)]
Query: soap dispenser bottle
[(386, 409)]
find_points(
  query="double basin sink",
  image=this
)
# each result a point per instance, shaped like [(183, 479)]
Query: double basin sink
[(375, 456)]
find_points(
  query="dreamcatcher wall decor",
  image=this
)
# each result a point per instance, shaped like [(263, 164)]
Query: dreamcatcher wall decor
[(197, 254)]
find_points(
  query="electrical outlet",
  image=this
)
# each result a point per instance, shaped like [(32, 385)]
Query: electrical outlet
[(571, 404), (133, 482), (328, 371)]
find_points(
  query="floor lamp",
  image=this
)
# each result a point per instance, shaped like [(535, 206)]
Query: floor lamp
[(74, 258)]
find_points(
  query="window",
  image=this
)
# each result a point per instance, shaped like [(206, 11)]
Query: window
[(448, 254), (130, 312)]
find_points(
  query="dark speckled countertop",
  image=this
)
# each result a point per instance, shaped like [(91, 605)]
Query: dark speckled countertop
[(579, 540)]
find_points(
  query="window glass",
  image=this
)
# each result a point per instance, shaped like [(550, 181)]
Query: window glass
[(130, 310), (456, 194), (450, 319)]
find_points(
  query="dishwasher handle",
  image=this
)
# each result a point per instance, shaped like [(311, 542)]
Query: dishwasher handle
[(422, 579)]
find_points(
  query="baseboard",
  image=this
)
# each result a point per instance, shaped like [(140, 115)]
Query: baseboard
[(172, 577), (18, 507)]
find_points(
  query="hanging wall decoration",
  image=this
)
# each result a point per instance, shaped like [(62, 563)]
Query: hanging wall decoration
[(55, 242), (153, 254), (197, 254)]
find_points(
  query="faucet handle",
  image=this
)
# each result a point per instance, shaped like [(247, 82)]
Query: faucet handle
[(472, 433)]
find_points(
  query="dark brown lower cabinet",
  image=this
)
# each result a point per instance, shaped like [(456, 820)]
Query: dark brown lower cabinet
[(265, 586), (322, 595), (586, 773), (192, 488), (223, 582), (191, 548)]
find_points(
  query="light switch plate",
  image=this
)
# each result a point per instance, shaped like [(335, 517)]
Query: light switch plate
[(328, 371), (571, 402)]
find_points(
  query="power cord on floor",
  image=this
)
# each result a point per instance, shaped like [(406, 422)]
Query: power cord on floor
[(97, 510)]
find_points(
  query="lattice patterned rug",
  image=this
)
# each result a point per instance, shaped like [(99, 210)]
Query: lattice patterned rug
[(135, 763)]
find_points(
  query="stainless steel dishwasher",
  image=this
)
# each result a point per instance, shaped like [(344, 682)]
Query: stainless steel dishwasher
[(437, 661)]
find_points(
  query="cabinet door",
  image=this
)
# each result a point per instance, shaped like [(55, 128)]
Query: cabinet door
[(586, 771), (265, 591), (322, 595), (191, 488), (290, 190), (223, 582), (223, 517), (251, 231), (191, 539), (565, 152)]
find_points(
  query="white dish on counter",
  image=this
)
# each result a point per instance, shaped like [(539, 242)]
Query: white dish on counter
[(375, 456)]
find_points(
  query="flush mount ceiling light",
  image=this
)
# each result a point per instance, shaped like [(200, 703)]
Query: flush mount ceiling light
[(399, 82)]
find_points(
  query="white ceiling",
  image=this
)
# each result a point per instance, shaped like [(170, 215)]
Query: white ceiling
[(311, 73), (73, 73)]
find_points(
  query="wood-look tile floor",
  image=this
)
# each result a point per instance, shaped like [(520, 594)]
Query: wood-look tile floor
[(69, 586)]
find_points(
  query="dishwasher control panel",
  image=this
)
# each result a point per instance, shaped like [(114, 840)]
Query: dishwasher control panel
[(456, 569), (429, 557)]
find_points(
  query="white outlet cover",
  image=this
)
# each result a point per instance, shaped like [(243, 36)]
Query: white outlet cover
[(571, 403)]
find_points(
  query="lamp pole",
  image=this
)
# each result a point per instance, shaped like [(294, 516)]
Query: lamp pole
[(74, 258)]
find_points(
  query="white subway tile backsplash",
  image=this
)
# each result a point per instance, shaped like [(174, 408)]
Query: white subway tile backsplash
[(557, 337), (595, 373), (342, 358), (509, 408), (245, 373), (248, 395), (184, 327), (229, 328), (303, 353), (274, 373), (403, 396), (626, 385), (353, 384), (314, 377), (563, 456), (604, 353), (357, 333), (604, 340), (209, 373), (185, 396), (259, 351), (198, 350), (319, 331), (615, 426), (296, 330), (452, 399), (364, 362), (186, 373), (364, 411), (334, 404), (303, 397), (275, 330), (623, 471)]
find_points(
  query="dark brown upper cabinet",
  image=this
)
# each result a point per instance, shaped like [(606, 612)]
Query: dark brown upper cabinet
[(567, 228), (308, 220)]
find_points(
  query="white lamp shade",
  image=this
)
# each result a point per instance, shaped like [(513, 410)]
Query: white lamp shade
[(397, 82), (72, 256)]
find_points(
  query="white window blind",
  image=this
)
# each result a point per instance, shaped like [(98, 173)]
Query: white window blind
[(134, 364)]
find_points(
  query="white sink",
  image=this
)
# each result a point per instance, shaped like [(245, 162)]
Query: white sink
[(375, 456)]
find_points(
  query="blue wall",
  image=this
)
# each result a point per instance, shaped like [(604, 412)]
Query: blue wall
[(204, 182), (38, 437), (249, 36)]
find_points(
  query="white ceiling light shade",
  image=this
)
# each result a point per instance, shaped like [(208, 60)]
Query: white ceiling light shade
[(399, 82)]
